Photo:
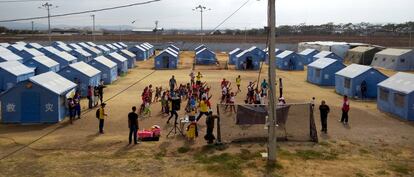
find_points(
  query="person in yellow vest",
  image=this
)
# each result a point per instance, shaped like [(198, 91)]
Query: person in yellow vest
[(198, 78), (204, 107), (192, 131), (101, 116), (238, 83)]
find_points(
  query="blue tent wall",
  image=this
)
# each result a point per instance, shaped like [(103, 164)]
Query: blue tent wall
[(81, 57), (159, 61), (109, 75), (242, 59), (206, 57), (141, 55), (25, 55), (406, 112), (333, 56), (372, 77), (327, 74), (40, 68), (232, 57), (15, 97), (62, 62), (309, 57), (122, 66), (131, 60), (291, 62), (8, 80), (276, 53), (260, 53), (70, 74), (94, 55)]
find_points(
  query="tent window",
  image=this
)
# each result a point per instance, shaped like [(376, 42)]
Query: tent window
[(383, 59), (399, 99), (384, 94), (318, 73), (347, 83), (393, 60), (375, 58), (402, 60)]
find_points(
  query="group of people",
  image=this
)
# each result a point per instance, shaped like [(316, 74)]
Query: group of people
[(324, 111)]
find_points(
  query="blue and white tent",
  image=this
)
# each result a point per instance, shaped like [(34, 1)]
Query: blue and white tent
[(395, 59), (259, 52), (277, 52), (233, 56), (205, 57), (147, 50), (322, 71), (111, 47), (21, 43), (33, 46), (4, 44), (63, 48), (202, 46), (27, 54), (119, 47), (41, 99), (84, 45), (9, 56), (108, 68), (123, 45), (289, 60), (13, 72), (104, 49), (308, 55), (327, 54), (175, 52), (140, 52), (396, 95), (348, 81), (74, 46), (83, 75), (91, 44), (42, 64), (93, 51), (175, 48), (166, 59), (248, 60), (16, 48), (130, 56), (58, 43), (82, 55), (63, 58), (121, 62), (151, 48)]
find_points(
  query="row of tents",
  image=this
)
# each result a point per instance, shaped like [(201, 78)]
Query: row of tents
[(34, 95), (167, 58)]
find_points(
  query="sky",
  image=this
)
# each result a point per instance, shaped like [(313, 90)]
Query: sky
[(178, 14)]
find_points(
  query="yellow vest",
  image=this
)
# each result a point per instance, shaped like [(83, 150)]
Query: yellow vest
[(203, 106), (101, 113)]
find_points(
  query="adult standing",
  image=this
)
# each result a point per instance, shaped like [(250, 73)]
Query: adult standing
[(100, 90), (203, 105), (101, 117), (364, 89), (280, 88), (96, 96), (264, 86), (209, 137), (173, 83), (175, 105), (90, 96), (77, 99), (345, 110), (71, 107), (198, 78), (238, 83), (133, 125), (192, 77), (324, 111)]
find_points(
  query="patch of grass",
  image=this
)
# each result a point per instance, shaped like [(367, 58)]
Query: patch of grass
[(325, 144), (382, 172), (363, 151), (247, 155), (400, 168), (273, 166), (360, 174), (183, 149), (161, 154), (311, 154), (285, 154), (222, 165)]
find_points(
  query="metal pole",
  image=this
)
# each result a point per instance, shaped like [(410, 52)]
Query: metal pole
[(93, 27), (410, 39), (48, 21), (272, 83), (32, 28), (201, 32)]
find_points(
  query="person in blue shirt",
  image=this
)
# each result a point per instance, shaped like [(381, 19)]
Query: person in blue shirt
[(264, 86)]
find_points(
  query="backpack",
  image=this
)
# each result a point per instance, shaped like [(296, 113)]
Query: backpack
[(98, 113)]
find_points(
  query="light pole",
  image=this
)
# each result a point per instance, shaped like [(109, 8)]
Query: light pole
[(156, 31), (93, 27), (202, 9), (48, 6), (32, 28), (271, 149)]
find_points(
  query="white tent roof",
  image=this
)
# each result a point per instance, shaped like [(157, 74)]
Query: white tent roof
[(82, 44), (36, 45), (234, 51), (140, 48), (59, 43), (4, 44), (307, 51), (111, 46), (3, 49), (203, 50), (126, 52), (353, 70), (200, 47), (394, 52), (172, 50), (123, 44), (66, 56), (91, 44), (149, 45), (169, 52), (323, 54), (52, 50), (44, 60), (75, 46), (118, 57), (94, 50), (65, 48), (34, 52), (105, 61), (103, 48), (53, 82), (242, 53), (401, 82), (21, 43), (145, 47), (117, 45), (322, 63), (83, 52), (175, 47), (285, 54), (19, 47), (85, 69), (16, 68), (9, 56)]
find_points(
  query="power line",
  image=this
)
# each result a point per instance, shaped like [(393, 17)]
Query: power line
[(83, 12), (17, 1), (214, 30)]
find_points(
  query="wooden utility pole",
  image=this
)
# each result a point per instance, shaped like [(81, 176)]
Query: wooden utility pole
[(272, 137)]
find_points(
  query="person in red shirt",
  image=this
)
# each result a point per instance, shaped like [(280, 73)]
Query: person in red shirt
[(345, 110)]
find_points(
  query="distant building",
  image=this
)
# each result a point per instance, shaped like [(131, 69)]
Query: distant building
[(362, 55), (395, 59)]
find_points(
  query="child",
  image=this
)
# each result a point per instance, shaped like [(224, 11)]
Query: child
[(157, 94), (192, 131), (231, 101), (147, 109)]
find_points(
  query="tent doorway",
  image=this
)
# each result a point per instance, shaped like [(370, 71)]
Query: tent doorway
[(165, 62), (30, 103), (249, 63)]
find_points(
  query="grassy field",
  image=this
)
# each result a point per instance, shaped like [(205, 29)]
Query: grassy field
[(375, 144)]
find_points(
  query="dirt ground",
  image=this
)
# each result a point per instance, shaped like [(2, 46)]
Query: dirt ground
[(374, 144)]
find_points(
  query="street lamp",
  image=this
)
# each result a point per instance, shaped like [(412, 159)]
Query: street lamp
[(201, 10), (48, 6)]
